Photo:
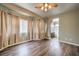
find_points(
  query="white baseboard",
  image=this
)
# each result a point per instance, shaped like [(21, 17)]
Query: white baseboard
[(13, 45), (39, 39), (69, 43), (16, 44)]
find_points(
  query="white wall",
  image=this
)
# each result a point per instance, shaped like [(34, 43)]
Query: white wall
[(69, 27)]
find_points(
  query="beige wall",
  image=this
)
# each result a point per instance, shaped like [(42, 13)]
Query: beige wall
[(69, 27)]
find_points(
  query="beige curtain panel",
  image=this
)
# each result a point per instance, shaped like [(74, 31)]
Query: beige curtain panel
[(36, 29), (9, 29)]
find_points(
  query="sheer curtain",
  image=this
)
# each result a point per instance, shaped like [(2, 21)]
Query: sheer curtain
[(36, 29), (4, 28), (9, 29), (14, 29), (30, 29), (0, 30)]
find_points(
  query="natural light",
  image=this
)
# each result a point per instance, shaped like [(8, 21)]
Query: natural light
[(55, 26), (23, 26)]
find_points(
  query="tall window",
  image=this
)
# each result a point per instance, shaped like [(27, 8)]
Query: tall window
[(23, 27)]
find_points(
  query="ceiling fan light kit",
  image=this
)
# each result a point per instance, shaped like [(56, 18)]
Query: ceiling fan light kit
[(46, 6)]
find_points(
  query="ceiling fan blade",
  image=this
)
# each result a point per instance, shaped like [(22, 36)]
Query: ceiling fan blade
[(38, 7)]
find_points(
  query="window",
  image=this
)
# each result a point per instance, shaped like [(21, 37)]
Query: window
[(23, 26)]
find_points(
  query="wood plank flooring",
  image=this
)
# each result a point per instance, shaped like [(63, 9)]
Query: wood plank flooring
[(51, 47)]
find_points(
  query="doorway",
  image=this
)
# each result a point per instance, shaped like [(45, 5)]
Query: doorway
[(55, 27)]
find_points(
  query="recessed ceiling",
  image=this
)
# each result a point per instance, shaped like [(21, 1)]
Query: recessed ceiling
[(62, 7)]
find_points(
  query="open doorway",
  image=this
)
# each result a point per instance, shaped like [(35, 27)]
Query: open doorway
[(55, 27)]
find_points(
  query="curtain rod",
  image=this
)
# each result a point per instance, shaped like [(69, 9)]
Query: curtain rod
[(13, 12)]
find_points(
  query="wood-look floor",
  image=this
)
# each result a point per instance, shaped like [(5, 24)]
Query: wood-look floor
[(51, 47)]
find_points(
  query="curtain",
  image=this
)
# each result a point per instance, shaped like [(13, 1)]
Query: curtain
[(14, 29), (17, 27), (42, 29), (36, 29), (4, 29), (30, 29), (0, 30), (9, 29)]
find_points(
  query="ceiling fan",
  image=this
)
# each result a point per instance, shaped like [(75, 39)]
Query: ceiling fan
[(46, 6)]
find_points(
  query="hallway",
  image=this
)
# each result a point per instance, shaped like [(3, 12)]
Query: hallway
[(50, 47)]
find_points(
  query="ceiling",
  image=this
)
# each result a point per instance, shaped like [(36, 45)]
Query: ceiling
[(62, 7)]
